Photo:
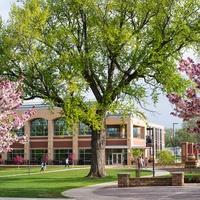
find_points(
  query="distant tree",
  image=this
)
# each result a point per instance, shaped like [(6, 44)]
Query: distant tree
[(9, 120), (111, 49), (165, 157), (168, 137)]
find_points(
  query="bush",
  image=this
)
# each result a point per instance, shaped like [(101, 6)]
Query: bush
[(165, 157), (18, 160)]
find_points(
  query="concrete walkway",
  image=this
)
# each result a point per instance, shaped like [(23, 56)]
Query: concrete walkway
[(110, 191)]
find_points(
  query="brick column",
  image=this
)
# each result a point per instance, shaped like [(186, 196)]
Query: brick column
[(123, 179), (177, 178)]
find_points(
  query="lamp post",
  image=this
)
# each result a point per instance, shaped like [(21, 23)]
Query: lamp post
[(151, 129), (29, 160), (174, 137)]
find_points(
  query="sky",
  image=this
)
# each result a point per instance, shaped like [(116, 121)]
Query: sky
[(162, 110)]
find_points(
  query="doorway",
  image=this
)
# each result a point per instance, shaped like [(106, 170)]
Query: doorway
[(117, 158)]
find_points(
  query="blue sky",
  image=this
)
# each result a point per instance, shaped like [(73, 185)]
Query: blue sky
[(162, 110)]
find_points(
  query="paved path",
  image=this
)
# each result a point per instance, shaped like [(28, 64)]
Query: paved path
[(110, 191)]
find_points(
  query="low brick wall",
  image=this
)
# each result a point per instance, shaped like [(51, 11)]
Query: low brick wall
[(124, 180)]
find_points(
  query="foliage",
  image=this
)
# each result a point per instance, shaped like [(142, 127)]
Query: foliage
[(181, 134), (165, 157), (136, 153), (45, 158), (18, 159), (187, 107), (9, 120), (110, 49)]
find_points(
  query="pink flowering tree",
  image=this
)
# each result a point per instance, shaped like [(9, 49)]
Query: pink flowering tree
[(10, 93), (188, 107), (45, 158), (18, 160)]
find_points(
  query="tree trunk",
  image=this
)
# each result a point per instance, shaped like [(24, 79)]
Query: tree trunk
[(98, 141)]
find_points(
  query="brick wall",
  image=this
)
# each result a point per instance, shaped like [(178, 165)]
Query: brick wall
[(177, 179)]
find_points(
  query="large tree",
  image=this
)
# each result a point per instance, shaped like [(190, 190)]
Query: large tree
[(128, 49)]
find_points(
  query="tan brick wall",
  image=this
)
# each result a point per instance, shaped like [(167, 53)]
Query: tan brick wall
[(124, 180)]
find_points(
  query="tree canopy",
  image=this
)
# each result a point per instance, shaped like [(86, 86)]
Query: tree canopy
[(127, 49)]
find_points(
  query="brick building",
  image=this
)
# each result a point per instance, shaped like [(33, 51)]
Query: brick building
[(48, 135)]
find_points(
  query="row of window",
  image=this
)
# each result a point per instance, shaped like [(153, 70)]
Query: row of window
[(39, 127), (37, 155)]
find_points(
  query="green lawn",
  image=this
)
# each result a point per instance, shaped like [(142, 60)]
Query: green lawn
[(16, 182)]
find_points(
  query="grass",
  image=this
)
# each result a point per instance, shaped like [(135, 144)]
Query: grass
[(16, 182)]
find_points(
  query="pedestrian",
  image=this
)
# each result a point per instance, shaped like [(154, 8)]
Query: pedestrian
[(141, 162), (45, 166), (67, 162), (146, 162), (138, 162), (42, 167)]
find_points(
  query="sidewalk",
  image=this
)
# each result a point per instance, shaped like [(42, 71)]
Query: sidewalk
[(110, 191)]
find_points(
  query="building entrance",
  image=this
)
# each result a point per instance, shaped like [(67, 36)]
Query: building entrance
[(117, 158)]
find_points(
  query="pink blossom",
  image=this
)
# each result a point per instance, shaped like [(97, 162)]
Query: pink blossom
[(189, 107), (9, 120)]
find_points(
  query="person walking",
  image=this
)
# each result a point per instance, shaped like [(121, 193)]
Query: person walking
[(67, 162), (138, 162), (146, 162), (45, 166), (141, 162), (42, 167)]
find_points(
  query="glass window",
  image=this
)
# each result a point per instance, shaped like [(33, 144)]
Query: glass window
[(84, 156), (116, 131), (62, 154), (15, 152), (37, 154), (138, 132), (84, 129), (61, 128), (113, 131), (135, 132), (39, 127)]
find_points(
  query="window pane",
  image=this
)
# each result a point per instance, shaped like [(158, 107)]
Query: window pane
[(84, 129), (61, 128), (39, 127)]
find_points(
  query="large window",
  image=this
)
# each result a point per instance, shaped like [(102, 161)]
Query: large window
[(135, 132), (38, 154), (113, 131), (84, 129), (15, 152), (138, 132), (39, 127), (84, 156), (62, 154), (61, 128)]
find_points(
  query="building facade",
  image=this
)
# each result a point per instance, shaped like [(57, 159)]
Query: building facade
[(49, 137)]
